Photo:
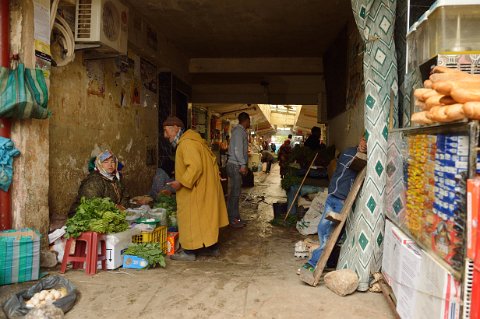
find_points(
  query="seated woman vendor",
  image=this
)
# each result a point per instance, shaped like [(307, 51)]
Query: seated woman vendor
[(104, 181)]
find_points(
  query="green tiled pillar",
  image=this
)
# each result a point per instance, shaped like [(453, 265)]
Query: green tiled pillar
[(362, 250)]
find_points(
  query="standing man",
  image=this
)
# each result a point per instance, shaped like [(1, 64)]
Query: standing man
[(313, 141), (201, 207), (236, 167)]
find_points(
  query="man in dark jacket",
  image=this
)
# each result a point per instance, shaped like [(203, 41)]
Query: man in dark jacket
[(313, 141), (338, 190)]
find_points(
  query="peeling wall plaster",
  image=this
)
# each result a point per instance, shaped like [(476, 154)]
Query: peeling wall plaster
[(83, 125)]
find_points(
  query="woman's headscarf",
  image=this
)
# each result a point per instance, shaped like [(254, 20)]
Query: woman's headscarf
[(99, 168)]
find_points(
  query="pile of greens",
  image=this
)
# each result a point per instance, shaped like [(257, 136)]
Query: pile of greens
[(170, 205), (290, 222), (290, 179), (167, 202), (97, 214), (151, 252)]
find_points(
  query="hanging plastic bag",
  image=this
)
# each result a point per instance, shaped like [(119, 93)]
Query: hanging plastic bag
[(23, 93), (15, 306)]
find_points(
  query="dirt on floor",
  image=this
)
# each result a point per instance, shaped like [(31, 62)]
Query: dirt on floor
[(255, 277)]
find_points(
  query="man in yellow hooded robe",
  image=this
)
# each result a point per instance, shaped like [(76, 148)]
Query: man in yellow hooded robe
[(201, 208)]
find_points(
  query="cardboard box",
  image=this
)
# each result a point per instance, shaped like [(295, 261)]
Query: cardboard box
[(134, 262), (172, 243), (19, 256), (437, 294), (116, 245), (391, 263), (410, 263)]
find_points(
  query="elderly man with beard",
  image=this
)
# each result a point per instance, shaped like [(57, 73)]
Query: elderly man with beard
[(201, 209)]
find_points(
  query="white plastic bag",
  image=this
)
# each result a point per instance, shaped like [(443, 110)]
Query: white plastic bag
[(309, 223), (59, 247)]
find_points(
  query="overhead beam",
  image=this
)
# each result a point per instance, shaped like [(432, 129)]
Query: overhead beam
[(254, 98), (256, 65)]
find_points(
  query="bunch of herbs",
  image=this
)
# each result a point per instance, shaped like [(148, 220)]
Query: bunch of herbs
[(151, 252), (97, 214)]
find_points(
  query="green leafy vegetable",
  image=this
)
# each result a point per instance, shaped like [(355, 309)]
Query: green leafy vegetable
[(97, 214), (151, 252), (289, 180), (170, 205), (167, 202)]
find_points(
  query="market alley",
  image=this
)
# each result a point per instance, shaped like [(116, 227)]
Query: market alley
[(255, 277)]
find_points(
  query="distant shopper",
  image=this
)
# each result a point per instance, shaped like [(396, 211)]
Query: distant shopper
[(265, 146), (338, 190), (201, 207), (283, 157), (273, 147), (290, 137), (268, 158), (313, 141), (103, 181), (236, 167)]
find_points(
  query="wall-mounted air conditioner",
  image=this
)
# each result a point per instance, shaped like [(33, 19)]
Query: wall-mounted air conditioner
[(102, 23)]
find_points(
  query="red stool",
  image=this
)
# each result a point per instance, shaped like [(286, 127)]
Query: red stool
[(86, 251), (81, 255), (95, 257)]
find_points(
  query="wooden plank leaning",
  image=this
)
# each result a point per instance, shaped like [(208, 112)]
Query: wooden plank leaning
[(300, 188), (313, 278)]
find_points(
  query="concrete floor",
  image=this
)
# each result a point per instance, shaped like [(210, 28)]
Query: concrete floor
[(255, 277)]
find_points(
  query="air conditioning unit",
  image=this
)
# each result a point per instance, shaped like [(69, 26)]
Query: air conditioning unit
[(102, 24)]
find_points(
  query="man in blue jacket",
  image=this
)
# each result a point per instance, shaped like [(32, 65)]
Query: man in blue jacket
[(236, 167), (338, 190)]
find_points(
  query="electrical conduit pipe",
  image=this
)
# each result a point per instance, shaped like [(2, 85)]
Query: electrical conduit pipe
[(5, 125)]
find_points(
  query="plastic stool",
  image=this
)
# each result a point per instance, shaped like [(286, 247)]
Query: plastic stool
[(81, 255), (95, 257)]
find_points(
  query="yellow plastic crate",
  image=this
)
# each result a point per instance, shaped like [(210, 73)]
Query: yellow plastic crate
[(159, 235)]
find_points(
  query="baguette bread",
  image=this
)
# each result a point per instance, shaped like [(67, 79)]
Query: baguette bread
[(472, 110), (437, 114), (418, 93), (464, 95), (454, 112), (421, 118), (444, 69), (438, 100)]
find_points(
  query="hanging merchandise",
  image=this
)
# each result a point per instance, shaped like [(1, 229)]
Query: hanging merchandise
[(7, 153), (427, 186), (23, 93)]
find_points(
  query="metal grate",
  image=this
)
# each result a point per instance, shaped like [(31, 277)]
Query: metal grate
[(469, 63), (84, 18), (467, 289)]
